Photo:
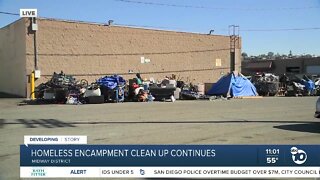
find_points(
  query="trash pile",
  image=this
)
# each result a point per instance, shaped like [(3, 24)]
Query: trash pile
[(267, 84), (59, 88), (65, 89), (149, 90), (300, 85), (192, 92)]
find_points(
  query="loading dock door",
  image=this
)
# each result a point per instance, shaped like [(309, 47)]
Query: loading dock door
[(313, 69)]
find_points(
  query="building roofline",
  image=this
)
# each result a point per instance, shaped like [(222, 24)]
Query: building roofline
[(12, 23), (117, 25), (288, 59), (127, 26)]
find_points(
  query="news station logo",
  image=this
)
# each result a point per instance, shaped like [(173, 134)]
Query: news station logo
[(38, 172), (298, 155)]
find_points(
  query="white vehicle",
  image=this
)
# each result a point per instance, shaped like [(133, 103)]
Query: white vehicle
[(317, 113)]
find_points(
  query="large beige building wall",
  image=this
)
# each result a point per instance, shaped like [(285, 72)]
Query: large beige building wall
[(91, 51), (13, 77)]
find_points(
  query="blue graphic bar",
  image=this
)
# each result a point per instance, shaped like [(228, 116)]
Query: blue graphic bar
[(169, 155)]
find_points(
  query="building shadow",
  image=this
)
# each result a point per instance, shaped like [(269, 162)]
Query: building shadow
[(305, 127), (46, 123), (7, 95), (205, 178)]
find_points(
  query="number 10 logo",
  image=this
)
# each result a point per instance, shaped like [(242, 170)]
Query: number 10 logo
[(298, 155)]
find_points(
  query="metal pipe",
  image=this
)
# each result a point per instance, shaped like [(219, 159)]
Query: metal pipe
[(32, 96), (232, 61), (35, 46)]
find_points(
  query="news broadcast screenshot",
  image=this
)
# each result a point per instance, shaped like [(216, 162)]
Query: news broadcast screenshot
[(159, 89)]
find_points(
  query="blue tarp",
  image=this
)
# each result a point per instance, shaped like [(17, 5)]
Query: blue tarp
[(221, 87), (308, 85), (111, 82), (235, 85)]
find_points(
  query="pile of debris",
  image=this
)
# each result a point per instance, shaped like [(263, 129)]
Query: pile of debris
[(300, 85), (59, 88), (267, 84), (65, 89)]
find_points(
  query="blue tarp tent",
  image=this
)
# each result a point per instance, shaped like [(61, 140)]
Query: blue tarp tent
[(233, 85), (111, 82)]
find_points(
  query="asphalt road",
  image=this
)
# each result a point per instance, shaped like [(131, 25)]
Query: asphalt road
[(276, 120)]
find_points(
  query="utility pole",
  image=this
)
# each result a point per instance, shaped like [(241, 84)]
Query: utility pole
[(234, 43)]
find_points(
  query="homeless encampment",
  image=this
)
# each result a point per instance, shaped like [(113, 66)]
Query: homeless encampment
[(59, 87), (112, 87), (234, 85), (267, 84)]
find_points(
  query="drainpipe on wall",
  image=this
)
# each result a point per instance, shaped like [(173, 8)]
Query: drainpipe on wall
[(232, 60), (34, 29)]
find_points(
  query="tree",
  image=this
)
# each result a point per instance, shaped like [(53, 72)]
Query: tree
[(262, 56), (277, 56), (244, 55), (270, 55), (290, 54)]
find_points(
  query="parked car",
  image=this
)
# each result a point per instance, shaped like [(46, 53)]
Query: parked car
[(317, 113)]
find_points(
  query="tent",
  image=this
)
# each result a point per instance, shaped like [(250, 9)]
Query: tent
[(233, 84)]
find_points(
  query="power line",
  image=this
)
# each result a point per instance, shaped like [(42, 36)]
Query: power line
[(285, 29), (8, 13), (162, 4), (74, 21), (91, 22), (167, 28), (144, 26), (214, 8)]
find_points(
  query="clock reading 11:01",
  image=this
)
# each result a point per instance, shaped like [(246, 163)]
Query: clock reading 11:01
[(272, 151), (272, 156)]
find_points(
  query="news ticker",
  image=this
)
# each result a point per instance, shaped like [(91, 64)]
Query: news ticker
[(70, 156), (169, 172)]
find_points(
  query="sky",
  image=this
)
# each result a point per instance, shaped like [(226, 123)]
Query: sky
[(263, 24)]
